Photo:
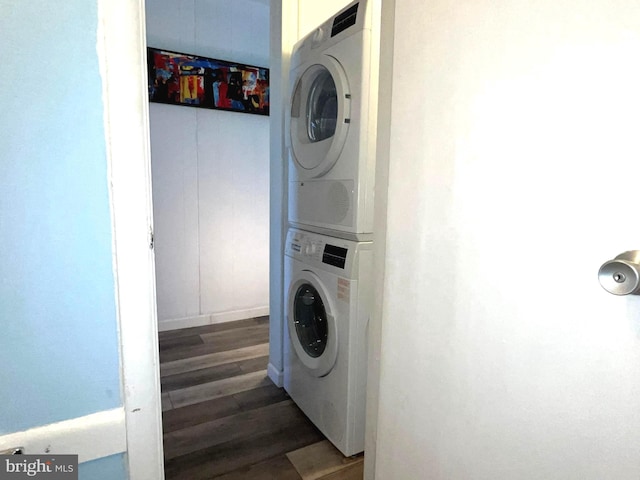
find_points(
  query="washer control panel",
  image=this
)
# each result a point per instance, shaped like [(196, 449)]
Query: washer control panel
[(301, 244), (315, 248), (335, 255)]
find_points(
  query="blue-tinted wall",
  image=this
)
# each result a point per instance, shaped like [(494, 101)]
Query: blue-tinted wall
[(58, 338), (107, 468)]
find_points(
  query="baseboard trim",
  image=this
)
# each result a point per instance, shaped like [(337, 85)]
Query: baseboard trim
[(275, 375), (91, 437), (201, 320)]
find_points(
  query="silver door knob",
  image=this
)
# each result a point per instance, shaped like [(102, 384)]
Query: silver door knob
[(621, 276)]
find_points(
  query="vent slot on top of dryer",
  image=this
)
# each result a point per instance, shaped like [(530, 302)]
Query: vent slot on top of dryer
[(335, 256), (344, 20)]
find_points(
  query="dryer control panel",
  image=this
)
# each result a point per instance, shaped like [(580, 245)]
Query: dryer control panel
[(352, 19)]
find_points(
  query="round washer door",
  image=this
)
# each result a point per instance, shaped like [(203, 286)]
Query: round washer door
[(320, 115), (312, 326)]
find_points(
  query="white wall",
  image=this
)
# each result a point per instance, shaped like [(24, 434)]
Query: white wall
[(513, 125), (210, 173)]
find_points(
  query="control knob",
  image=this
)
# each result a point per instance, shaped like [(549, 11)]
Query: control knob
[(310, 249)]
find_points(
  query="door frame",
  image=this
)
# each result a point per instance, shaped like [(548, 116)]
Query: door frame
[(121, 47)]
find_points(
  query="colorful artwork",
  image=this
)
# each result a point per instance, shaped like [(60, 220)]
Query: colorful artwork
[(181, 79)]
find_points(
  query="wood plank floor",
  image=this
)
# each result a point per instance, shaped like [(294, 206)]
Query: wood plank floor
[(224, 419)]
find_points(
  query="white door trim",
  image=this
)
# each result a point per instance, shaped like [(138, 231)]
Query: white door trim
[(283, 35), (122, 53)]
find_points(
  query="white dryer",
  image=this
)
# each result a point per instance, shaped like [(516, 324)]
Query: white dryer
[(327, 296), (332, 124)]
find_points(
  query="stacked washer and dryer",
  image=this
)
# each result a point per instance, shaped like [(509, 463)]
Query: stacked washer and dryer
[(328, 253)]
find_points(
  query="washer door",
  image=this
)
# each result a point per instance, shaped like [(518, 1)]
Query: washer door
[(320, 115), (312, 327)]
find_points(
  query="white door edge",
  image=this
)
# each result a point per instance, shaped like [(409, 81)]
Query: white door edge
[(122, 54)]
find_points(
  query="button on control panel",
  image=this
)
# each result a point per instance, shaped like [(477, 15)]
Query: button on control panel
[(312, 248)]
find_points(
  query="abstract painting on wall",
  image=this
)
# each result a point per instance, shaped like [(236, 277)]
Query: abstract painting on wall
[(181, 79)]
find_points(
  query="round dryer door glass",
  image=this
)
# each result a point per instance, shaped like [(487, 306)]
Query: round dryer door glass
[(310, 319), (319, 118), (322, 107)]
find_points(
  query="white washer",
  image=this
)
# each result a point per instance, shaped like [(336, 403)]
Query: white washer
[(327, 297), (332, 124)]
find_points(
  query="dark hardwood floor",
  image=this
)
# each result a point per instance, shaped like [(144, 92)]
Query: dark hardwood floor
[(224, 419)]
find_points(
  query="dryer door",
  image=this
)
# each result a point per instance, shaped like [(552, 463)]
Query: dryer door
[(320, 116), (312, 325)]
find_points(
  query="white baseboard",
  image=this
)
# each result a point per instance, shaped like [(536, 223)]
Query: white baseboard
[(91, 437), (201, 320), (275, 375)]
